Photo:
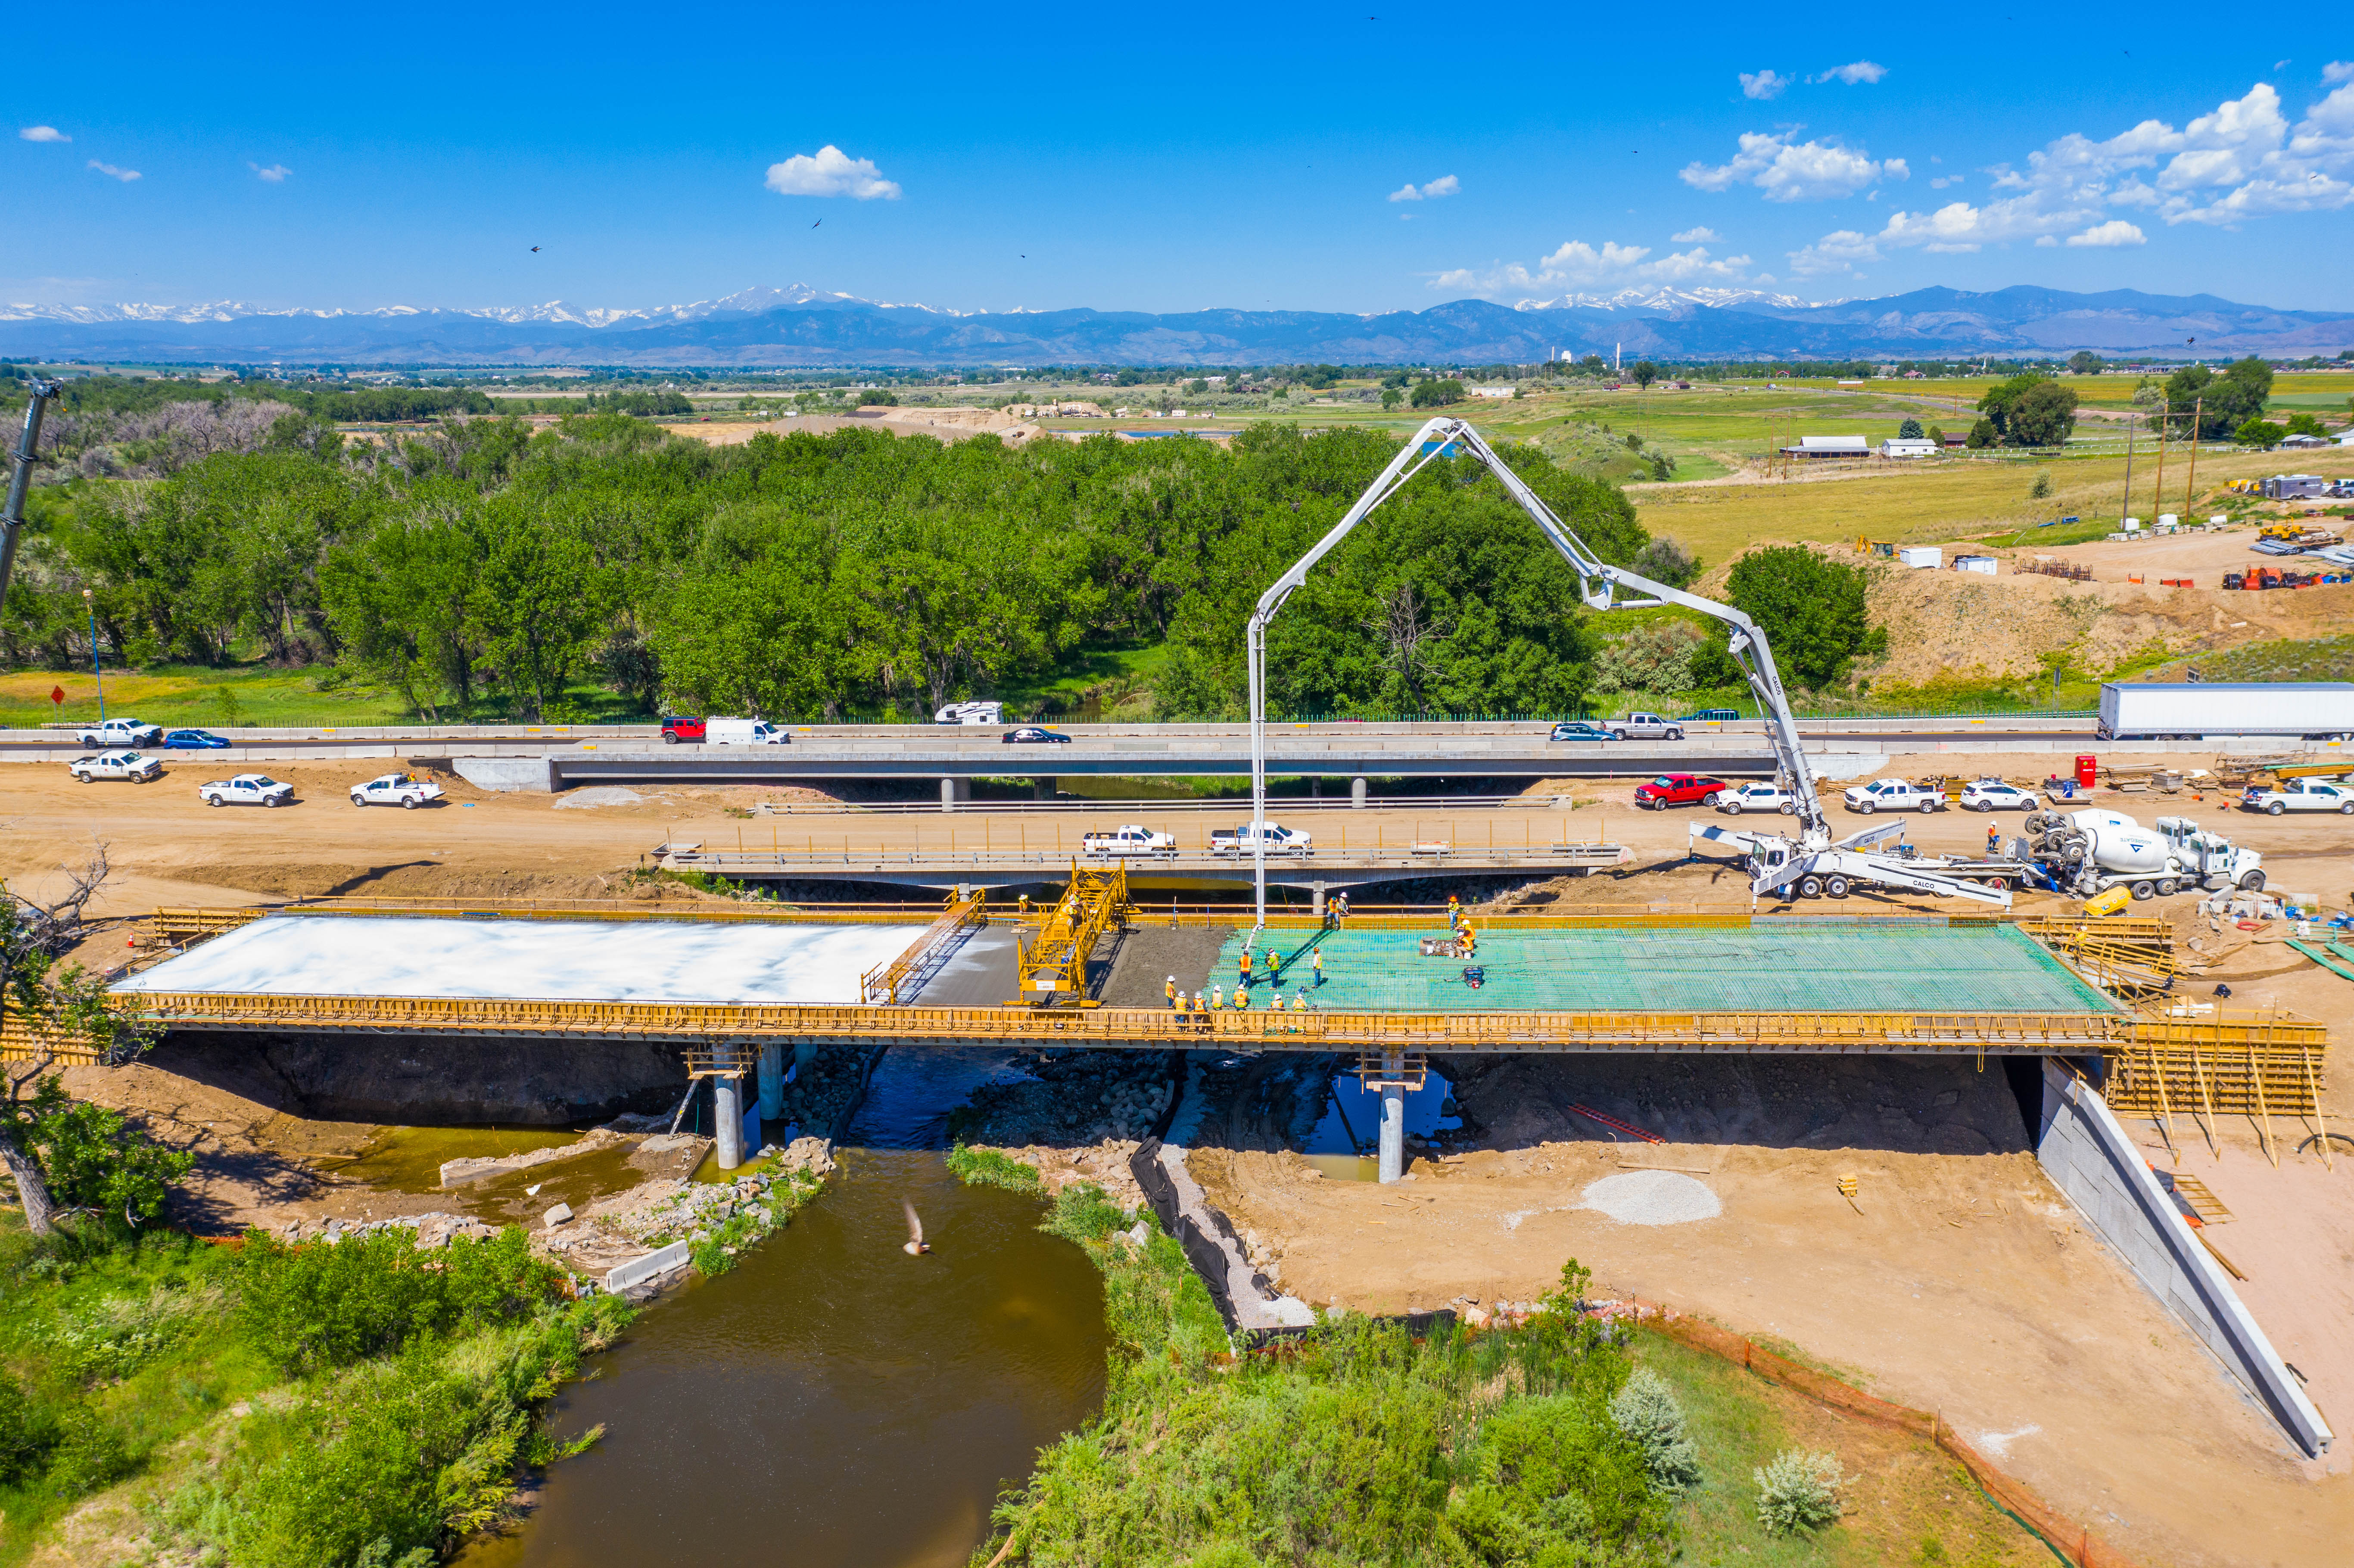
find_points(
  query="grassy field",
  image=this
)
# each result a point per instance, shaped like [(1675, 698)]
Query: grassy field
[(242, 695)]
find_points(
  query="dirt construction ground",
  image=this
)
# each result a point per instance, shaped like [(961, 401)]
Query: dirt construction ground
[(1958, 1281)]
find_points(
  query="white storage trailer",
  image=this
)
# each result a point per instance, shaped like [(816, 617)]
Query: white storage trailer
[(2195, 710)]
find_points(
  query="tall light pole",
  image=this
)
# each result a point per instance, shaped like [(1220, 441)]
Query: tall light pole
[(91, 605)]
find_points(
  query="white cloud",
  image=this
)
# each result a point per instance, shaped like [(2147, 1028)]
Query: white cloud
[(2242, 160), (1942, 181), (1794, 170), (1577, 264), (43, 134), (1444, 185), (2338, 70), (830, 172), (1763, 84), (1852, 73), (112, 172), (2103, 235), (1701, 235), (1836, 253), (275, 174)]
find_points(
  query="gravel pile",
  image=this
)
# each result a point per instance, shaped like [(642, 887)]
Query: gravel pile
[(1652, 1198)]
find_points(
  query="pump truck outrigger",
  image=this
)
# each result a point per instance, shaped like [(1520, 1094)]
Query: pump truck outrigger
[(1810, 864)]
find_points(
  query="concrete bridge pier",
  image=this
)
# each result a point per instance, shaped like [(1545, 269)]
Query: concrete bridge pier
[(1357, 792), (804, 1058), (727, 1108), (1316, 903), (772, 1080), (955, 792), (1393, 1088)]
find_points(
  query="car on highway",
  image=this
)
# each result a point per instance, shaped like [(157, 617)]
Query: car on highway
[(1578, 730), (1891, 795), (1646, 726), (2300, 795), (191, 740), (744, 732), (128, 765), (403, 789), (1712, 716), (1279, 839), (677, 728), (121, 732), (1129, 839), (245, 789), (1036, 735), (1754, 797), (1677, 790), (1994, 795)]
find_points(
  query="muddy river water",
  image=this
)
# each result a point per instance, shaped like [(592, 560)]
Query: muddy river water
[(834, 1400)]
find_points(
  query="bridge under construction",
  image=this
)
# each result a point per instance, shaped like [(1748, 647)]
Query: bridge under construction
[(734, 985)]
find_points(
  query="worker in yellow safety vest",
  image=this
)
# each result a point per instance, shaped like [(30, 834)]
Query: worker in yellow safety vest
[(1316, 959), (1242, 977), (1273, 965), (1217, 998), (1169, 991)]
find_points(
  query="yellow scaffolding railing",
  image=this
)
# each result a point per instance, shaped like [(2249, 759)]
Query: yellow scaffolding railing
[(880, 985)]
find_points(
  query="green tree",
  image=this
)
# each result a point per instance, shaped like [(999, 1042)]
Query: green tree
[(2261, 434), (1439, 394), (2304, 424), (2085, 362), (2224, 403), (2031, 410), (1392, 397), (1982, 436), (1910, 430), (1810, 608), (1645, 373)]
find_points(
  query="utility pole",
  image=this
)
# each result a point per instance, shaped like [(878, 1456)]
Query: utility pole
[(12, 520), (96, 672), (2157, 491), (2129, 444), (2198, 413)]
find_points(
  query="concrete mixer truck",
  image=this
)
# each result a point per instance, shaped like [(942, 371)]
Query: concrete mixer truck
[(2086, 852)]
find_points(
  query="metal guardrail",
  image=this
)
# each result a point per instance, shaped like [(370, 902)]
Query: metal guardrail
[(1427, 855)]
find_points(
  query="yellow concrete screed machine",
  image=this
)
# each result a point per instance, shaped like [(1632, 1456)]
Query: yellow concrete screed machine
[(1811, 864)]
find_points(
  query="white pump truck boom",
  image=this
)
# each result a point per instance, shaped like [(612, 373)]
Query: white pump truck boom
[(1811, 863)]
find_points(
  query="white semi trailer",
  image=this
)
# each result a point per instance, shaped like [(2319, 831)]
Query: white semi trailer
[(2197, 710)]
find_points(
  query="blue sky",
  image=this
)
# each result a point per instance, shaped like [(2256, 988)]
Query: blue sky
[(1167, 159)]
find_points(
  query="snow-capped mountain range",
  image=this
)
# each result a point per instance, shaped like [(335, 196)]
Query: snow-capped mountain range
[(800, 326)]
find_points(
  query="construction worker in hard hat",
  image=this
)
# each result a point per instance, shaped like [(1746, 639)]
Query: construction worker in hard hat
[(1316, 959), (1242, 977), (1217, 998), (1273, 965), (1169, 991)]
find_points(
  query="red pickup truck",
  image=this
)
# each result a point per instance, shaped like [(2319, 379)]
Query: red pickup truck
[(1677, 789)]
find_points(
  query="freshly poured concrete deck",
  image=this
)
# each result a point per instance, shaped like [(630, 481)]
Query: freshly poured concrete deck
[(651, 961), (1811, 964)]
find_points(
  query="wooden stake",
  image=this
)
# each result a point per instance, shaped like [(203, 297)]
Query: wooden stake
[(2320, 1116), (2256, 1078), (2158, 1073), (2199, 1072)]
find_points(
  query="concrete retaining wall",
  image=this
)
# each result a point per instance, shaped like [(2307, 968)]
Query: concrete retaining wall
[(2089, 1157), (507, 773), (637, 1270)]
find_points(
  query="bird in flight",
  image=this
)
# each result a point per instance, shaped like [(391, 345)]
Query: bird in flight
[(535, 251), (814, 225), (916, 1244)]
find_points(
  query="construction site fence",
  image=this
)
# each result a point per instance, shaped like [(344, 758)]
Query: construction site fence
[(2073, 1541)]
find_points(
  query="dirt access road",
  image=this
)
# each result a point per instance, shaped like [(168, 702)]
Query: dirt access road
[(168, 848)]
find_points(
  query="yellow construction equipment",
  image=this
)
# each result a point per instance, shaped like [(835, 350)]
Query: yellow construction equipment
[(1054, 960), (1876, 548)]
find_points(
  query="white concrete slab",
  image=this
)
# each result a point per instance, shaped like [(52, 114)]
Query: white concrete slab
[(555, 961)]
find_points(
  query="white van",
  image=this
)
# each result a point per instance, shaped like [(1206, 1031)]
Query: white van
[(983, 712), (744, 732)]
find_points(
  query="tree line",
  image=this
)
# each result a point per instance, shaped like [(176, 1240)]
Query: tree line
[(481, 569)]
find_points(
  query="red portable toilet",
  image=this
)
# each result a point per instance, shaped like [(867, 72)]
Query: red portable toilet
[(2087, 769)]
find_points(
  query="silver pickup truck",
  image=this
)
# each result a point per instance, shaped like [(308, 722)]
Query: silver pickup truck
[(1646, 726)]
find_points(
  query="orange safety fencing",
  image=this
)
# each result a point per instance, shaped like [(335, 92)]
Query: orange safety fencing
[(2073, 1542)]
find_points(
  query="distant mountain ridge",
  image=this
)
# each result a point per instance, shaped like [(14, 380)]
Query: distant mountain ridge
[(803, 327)]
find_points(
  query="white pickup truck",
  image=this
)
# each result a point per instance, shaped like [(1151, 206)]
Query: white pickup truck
[(2301, 795), (1279, 839), (121, 732), (403, 789), (247, 789), (1131, 839), (1646, 726), (128, 765), (1891, 795)]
